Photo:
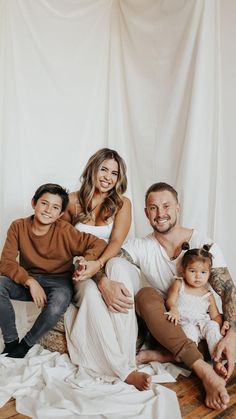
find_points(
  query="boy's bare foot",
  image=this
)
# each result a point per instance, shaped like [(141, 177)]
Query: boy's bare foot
[(216, 393), (149, 355), (220, 369), (140, 380)]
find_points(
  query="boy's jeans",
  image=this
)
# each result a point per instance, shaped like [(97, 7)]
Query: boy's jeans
[(59, 291)]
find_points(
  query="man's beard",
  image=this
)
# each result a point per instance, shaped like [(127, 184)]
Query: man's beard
[(169, 228)]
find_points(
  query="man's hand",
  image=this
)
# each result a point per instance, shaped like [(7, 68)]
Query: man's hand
[(226, 349), (173, 315), (37, 292), (116, 296)]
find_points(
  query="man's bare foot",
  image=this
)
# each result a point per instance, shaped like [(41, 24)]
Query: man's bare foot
[(216, 393), (140, 380), (149, 355), (220, 369)]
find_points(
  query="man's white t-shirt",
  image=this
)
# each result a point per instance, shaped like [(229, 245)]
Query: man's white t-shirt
[(156, 265)]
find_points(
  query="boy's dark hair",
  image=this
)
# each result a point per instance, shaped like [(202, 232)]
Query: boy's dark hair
[(161, 186), (192, 255), (54, 189)]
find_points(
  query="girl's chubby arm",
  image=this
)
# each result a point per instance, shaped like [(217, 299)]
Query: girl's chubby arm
[(216, 316), (172, 297)]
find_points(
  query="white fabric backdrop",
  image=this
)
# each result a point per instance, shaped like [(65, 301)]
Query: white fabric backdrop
[(140, 76)]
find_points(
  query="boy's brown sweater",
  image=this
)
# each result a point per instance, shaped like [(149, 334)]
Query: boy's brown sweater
[(51, 253)]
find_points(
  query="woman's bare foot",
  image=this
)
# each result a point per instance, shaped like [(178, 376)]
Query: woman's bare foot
[(220, 369), (216, 393), (140, 380), (149, 355)]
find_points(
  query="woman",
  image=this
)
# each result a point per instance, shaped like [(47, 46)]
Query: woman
[(99, 206), (102, 334)]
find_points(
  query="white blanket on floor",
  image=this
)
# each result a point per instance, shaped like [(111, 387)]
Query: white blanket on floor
[(46, 385)]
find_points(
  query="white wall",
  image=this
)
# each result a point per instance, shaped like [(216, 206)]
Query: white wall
[(227, 207)]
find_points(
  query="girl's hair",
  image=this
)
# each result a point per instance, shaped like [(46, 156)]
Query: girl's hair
[(193, 255), (113, 201)]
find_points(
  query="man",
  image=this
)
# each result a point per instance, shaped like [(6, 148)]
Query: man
[(157, 255)]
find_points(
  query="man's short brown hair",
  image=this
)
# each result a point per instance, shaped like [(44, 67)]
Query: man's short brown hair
[(161, 186)]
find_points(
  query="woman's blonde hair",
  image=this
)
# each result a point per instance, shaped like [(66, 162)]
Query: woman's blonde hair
[(113, 202)]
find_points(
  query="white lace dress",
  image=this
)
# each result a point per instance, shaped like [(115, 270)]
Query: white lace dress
[(195, 320)]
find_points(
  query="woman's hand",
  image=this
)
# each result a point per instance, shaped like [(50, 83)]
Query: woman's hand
[(86, 269)]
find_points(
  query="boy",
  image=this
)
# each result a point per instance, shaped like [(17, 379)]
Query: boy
[(46, 247)]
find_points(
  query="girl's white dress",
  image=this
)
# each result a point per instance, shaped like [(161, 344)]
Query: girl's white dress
[(195, 320)]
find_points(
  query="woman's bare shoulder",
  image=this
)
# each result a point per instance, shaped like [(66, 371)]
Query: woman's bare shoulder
[(125, 209), (74, 197), (73, 208), (125, 200)]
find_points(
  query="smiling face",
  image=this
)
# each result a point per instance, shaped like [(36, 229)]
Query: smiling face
[(107, 175), (47, 209), (162, 211), (197, 273)]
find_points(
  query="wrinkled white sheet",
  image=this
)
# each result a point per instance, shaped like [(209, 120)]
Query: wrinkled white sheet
[(47, 385)]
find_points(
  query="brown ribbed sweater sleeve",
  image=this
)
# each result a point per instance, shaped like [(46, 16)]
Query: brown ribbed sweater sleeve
[(8, 264), (51, 253)]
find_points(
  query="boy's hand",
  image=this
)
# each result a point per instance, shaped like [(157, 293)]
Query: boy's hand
[(173, 315), (37, 292), (80, 266)]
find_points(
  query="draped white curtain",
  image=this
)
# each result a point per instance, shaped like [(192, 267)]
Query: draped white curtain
[(139, 76)]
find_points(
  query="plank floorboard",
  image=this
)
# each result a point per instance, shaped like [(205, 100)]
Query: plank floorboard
[(190, 395)]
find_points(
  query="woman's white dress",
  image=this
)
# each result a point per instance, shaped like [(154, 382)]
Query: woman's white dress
[(103, 343), (45, 384)]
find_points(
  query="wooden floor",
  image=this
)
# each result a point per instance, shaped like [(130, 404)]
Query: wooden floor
[(191, 399), (190, 396)]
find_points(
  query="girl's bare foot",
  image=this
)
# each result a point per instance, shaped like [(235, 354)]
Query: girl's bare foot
[(140, 380), (149, 355), (220, 369), (216, 393)]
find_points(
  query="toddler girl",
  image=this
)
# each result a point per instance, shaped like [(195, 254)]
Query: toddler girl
[(192, 304)]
